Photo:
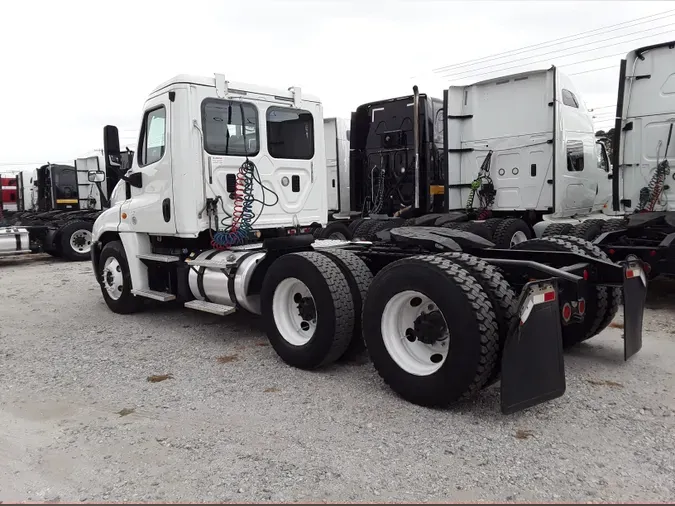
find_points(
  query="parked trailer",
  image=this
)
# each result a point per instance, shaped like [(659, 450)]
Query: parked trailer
[(224, 234)]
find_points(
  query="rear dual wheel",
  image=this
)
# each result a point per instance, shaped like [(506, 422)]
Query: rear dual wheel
[(602, 303), (418, 343), (311, 306)]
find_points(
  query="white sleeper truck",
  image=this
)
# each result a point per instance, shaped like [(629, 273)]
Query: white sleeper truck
[(216, 214), (640, 217)]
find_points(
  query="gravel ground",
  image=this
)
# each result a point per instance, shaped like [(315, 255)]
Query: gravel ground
[(80, 420)]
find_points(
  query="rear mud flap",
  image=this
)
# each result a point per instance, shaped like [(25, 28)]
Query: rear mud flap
[(533, 370), (634, 297)]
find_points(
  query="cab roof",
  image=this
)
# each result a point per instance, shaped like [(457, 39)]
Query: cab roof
[(236, 87)]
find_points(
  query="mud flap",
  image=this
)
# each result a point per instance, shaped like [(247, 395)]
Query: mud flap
[(634, 296), (533, 370)]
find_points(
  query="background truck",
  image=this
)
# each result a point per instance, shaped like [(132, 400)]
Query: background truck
[(508, 153), (215, 214), (640, 219), (58, 211)]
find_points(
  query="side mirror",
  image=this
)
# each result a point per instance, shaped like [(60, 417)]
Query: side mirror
[(96, 176), (135, 179), (113, 157), (111, 148)]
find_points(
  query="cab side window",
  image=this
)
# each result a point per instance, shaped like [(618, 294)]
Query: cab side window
[(569, 99), (602, 157), (153, 137), (575, 156)]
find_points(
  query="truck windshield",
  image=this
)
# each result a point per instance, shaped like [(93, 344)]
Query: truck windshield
[(64, 180)]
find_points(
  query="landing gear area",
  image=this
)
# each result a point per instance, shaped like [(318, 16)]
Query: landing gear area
[(442, 312)]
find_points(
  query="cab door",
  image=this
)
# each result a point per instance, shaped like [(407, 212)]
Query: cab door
[(576, 176), (151, 207)]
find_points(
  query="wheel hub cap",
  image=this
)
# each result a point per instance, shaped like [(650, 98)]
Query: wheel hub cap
[(113, 281), (415, 333), (295, 313), (430, 327), (517, 238), (80, 241)]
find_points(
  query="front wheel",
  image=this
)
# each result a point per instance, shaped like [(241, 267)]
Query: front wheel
[(115, 280)]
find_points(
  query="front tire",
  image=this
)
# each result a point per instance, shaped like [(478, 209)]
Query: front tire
[(115, 280), (417, 342), (307, 309)]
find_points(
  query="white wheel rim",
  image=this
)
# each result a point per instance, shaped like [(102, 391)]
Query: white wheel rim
[(113, 281), (398, 317), (291, 298), (80, 241), (517, 238), (338, 236)]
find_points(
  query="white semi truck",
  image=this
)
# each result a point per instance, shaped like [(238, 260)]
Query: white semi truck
[(495, 158), (216, 211), (640, 217), (58, 208)]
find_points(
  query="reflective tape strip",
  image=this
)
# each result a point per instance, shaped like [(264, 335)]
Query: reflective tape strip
[(546, 296)]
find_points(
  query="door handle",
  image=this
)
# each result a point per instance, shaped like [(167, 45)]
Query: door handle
[(166, 210)]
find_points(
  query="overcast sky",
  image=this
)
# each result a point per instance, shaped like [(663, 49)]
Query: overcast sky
[(68, 68)]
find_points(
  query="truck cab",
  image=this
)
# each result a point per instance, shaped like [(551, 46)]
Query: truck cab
[(643, 134), (197, 137)]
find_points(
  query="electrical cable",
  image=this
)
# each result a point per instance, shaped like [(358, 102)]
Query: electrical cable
[(454, 74), (243, 216), (574, 37)]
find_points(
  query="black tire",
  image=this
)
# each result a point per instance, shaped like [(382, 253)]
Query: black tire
[(359, 277), (479, 229), (573, 333), (354, 225), (56, 253), (492, 224), (474, 338), (612, 296), (507, 229), (338, 229), (127, 303), (410, 222), (503, 298), (587, 230), (333, 304), (557, 229), (382, 225), (363, 230), (75, 227), (612, 225)]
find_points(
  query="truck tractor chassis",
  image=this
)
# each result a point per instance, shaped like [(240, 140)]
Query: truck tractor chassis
[(441, 311)]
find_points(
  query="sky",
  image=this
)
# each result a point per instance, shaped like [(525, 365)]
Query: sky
[(68, 68)]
